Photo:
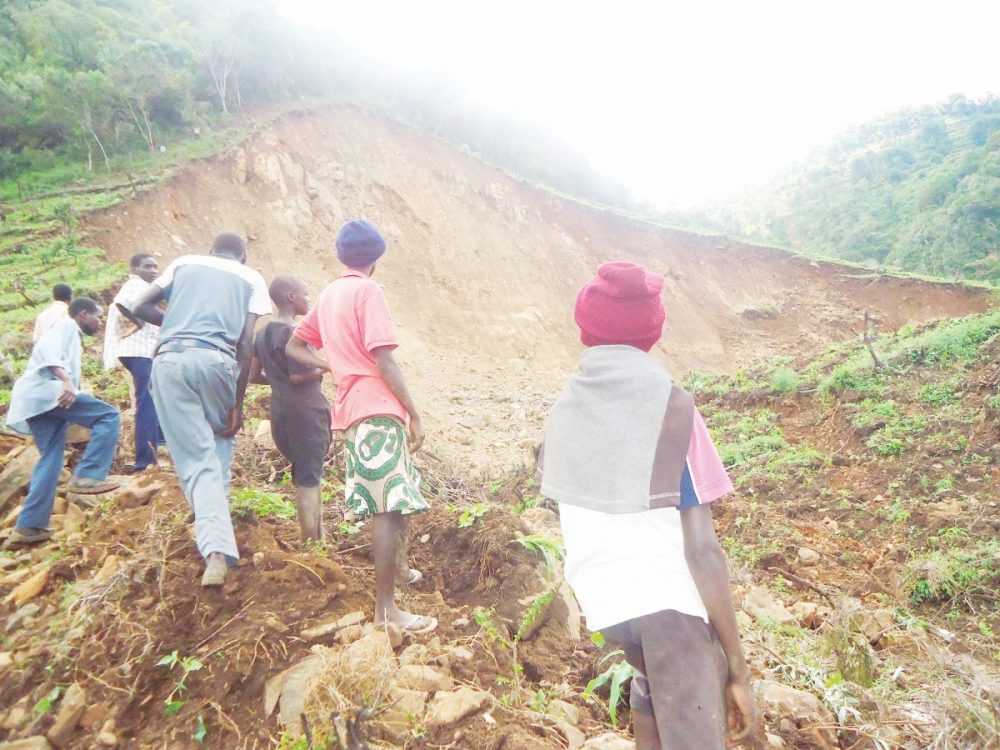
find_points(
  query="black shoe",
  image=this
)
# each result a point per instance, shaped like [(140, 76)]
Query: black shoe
[(29, 535), (133, 469)]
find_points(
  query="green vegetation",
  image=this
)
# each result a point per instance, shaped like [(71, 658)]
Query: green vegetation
[(615, 676), (248, 502), (959, 574), (752, 444), (918, 190), (174, 701), (93, 86)]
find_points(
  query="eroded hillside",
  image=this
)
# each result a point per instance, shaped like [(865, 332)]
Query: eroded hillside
[(483, 269)]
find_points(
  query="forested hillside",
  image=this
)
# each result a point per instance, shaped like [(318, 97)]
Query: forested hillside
[(90, 86), (918, 190)]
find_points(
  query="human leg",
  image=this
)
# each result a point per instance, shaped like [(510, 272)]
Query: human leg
[(309, 508), (201, 459), (147, 427), (686, 672), (647, 736), (104, 423), (49, 432)]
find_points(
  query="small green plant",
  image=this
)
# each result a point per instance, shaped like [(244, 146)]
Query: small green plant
[(784, 380), (552, 550), (348, 528), (484, 619), (45, 703), (188, 664), (200, 730), (467, 516), (527, 502), (617, 675), (956, 575), (249, 502)]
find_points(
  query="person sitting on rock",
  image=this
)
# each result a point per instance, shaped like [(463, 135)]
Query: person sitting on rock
[(45, 400), (200, 372), (631, 464), (351, 324), (300, 415), (59, 309)]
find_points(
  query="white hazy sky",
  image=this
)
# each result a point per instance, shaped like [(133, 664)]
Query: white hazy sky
[(683, 102)]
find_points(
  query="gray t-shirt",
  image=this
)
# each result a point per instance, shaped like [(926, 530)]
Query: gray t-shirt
[(208, 299)]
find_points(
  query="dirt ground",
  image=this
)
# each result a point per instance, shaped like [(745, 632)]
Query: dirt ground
[(481, 275), (482, 269)]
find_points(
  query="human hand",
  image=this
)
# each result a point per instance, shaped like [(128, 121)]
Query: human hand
[(68, 396), (741, 710), (416, 434), (234, 423)]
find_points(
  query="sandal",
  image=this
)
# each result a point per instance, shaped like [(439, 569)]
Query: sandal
[(29, 535), (88, 486), (420, 624)]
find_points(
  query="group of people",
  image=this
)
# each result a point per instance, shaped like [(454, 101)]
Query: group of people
[(626, 455)]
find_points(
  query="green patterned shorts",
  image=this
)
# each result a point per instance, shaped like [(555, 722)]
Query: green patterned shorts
[(380, 476)]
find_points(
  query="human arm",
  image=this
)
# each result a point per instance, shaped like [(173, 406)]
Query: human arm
[(257, 376), (298, 350), (298, 378), (707, 563), (391, 373), (145, 309), (244, 353), (68, 396)]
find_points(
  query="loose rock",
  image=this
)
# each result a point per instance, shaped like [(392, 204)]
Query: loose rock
[(761, 604), (419, 677), (71, 708), (453, 706), (608, 741)]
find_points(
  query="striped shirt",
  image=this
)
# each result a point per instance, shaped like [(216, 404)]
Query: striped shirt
[(142, 343)]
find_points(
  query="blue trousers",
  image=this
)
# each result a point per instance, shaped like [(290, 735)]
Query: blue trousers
[(194, 391), (49, 431), (147, 427)]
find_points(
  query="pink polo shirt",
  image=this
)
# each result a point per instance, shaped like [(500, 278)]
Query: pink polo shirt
[(348, 322)]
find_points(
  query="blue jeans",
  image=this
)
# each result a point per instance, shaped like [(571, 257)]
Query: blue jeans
[(49, 431), (147, 427)]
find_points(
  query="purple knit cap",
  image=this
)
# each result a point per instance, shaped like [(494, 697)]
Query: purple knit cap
[(359, 244)]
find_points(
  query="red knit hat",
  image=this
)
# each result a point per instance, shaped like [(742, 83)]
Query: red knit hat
[(621, 306)]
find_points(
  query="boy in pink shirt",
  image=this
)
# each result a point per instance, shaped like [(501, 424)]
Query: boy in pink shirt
[(351, 327)]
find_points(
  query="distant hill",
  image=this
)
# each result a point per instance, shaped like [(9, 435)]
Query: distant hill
[(918, 190)]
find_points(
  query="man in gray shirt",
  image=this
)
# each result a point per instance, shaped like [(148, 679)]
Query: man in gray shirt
[(200, 372)]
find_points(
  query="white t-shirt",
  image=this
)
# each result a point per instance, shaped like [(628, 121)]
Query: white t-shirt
[(626, 565)]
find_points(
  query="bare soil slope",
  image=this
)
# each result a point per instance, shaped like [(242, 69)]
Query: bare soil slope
[(483, 269)]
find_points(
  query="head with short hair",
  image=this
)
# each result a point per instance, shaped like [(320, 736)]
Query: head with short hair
[(359, 244), (229, 245), (290, 293), (144, 266), (87, 314), (62, 293)]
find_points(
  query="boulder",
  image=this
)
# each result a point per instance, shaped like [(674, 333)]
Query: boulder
[(71, 708), (407, 710), (29, 743), (420, 677), (763, 606), (808, 556), (801, 707), (16, 474), (608, 741), (563, 711), (74, 519), (262, 436), (454, 705), (30, 587)]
